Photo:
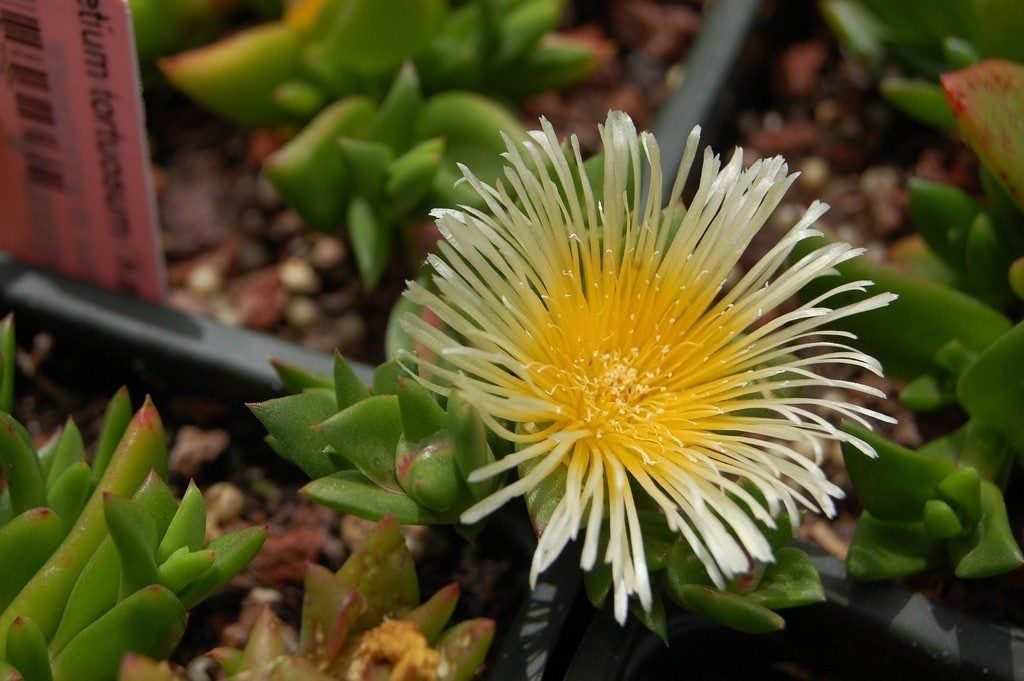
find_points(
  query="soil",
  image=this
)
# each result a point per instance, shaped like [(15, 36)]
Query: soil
[(236, 252), (245, 484)]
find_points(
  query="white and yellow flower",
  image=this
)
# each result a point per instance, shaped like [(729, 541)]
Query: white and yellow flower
[(601, 335)]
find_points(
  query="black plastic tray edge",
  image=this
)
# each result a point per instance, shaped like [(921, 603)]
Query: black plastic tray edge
[(956, 645)]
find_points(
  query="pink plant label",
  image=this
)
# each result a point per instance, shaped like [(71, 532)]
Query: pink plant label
[(76, 193)]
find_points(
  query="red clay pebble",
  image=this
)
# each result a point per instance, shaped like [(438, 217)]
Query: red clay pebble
[(194, 447), (260, 299), (284, 556), (800, 67)]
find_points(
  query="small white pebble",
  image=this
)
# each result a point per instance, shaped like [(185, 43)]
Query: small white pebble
[(815, 173), (204, 280), (301, 312), (224, 503), (298, 277), (350, 329), (328, 252)]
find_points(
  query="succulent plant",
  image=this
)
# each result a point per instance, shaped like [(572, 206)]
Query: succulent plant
[(928, 38), (98, 559), (363, 622), (389, 449), (373, 168), (322, 50), (948, 338)]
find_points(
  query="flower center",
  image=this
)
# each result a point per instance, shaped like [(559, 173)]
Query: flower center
[(610, 393)]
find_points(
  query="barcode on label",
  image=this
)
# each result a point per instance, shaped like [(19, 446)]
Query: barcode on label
[(31, 84), (21, 28)]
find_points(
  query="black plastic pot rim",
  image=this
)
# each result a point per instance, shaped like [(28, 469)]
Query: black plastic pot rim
[(958, 646)]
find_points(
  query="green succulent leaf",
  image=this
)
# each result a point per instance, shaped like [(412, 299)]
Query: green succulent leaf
[(26, 650), (7, 357), (382, 570), (187, 529), (232, 552), (431, 616), (290, 420), (352, 492), (940, 520), (183, 567), (367, 435), (469, 443), (395, 122), (371, 238), (237, 78), (296, 379), (943, 215), (20, 466), (115, 423), (25, 544), (149, 622), (896, 484), (70, 492), (991, 548), (792, 580), (374, 36), (887, 550), (421, 414), (348, 388), (428, 473), (992, 389), (464, 647), (906, 334), (309, 170), (919, 99), (733, 610)]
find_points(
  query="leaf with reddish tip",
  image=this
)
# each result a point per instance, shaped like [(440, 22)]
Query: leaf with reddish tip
[(430, 617), (329, 609), (463, 649), (20, 466), (987, 100), (26, 650), (382, 570), (236, 77), (141, 450), (25, 544), (265, 646)]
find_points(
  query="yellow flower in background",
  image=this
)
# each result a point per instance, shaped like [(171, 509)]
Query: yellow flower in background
[(602, 336)]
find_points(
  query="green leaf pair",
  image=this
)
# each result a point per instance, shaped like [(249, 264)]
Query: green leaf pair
[(941, 504), (284, 71), (365, 621), (102, 559), (372, 168), (390, 449)]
